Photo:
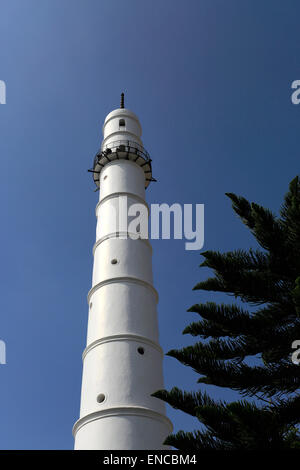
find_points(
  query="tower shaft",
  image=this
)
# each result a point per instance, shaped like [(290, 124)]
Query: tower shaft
[(122, 361)]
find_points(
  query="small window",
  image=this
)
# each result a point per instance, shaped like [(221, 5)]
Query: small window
[(100, 398), (141, 350), (122, 122)]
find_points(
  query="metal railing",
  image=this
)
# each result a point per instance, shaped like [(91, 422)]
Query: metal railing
[(125, 146)]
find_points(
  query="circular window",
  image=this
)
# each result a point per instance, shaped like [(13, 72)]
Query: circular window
[(91, 304), (100, 398), (114, 261), (105, 177), (141, 350)]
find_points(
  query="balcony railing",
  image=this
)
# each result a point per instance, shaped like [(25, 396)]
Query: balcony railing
[(124, 146), (128, 146)]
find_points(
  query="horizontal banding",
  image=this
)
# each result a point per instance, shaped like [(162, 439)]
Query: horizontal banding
[(118, 194), (119, 235), (122, 411), (127, 133), (122, 337), (112, 280)]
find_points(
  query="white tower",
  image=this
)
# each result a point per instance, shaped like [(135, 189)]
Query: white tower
[(122, 362)]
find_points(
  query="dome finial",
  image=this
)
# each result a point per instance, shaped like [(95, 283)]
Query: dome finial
[(122, 101)]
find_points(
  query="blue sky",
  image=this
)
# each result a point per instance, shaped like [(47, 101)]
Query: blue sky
[(211, 83)]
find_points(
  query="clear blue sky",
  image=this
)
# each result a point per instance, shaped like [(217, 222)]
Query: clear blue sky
[(210, 81)]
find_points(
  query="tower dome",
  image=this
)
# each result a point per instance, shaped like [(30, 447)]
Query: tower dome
[(122, 140)]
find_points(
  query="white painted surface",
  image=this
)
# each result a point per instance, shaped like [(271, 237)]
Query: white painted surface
[(133, 259), (126, 177), (113, 131), (123, 375), (108, 213), (123, 432), (122, 321), (114, 301)]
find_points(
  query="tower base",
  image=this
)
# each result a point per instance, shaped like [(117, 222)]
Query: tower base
[(122, 429)]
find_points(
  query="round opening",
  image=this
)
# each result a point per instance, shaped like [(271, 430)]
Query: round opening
[(100, 398), (114, 261), (91, 304), (141, 350), (105, 177)]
